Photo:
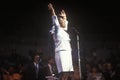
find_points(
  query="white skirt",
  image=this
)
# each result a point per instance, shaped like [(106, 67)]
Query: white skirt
[(64, 61)]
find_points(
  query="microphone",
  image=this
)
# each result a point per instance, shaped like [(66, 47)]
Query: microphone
[(75, 30)]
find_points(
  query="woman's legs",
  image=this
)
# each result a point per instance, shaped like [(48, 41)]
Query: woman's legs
[(66, 76)]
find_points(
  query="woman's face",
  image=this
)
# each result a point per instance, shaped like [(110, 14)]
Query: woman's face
[(62, 22)]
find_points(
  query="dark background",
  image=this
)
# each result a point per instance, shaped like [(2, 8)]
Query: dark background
[(25, 25)]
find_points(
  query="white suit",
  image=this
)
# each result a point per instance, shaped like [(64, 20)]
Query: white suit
[(63, 56)]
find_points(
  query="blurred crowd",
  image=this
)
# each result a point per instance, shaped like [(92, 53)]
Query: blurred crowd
[(13, 67)]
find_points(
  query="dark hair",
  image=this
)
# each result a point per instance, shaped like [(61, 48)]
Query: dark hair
[(60, 16), (34, 53)]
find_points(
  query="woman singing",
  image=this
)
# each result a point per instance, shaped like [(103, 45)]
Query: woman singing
[(63, 55)]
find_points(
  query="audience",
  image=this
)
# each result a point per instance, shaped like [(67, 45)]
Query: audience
[(13, 67), (95, 74)]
